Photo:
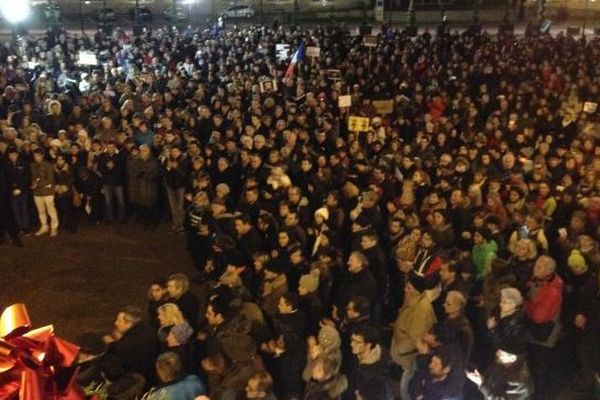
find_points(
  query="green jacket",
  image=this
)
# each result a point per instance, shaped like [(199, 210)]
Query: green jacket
[(482, 256)]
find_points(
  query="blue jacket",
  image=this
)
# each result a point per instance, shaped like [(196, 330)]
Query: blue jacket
[(183, 389)]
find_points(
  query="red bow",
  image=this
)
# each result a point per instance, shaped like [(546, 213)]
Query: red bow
[(34, 363)]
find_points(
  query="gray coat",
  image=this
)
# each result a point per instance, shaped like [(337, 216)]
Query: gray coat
[(144, 178)]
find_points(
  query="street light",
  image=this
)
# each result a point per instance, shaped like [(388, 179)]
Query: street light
[(15, 13)]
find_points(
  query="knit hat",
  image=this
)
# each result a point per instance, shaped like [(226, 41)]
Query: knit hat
[(181, 333), (418, 282), (310, 281), (323, 212), (513, 295), (329, 338), (577, 262)]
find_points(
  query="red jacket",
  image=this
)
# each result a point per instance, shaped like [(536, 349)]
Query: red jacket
[(544, 299)]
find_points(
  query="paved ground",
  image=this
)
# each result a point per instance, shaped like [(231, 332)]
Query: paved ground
[(77, 282)]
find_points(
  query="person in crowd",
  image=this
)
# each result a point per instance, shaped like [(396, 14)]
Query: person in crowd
[(415, 318), (260, 387), (174, 384), (178, 290), (18, 180), (507, 325), (542, 307), (477, 182), (111, 165), (64, 194), (438, 376), (371, 375), (507, 377), (326, 382), (133, 343), (43, 186)]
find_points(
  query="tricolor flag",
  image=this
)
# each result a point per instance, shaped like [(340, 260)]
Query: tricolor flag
[(298, 56)]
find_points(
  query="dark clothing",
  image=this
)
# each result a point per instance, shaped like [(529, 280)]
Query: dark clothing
[(507, 382), (356, 284), (189, 307), (137, 350), (510, 333), (372, 379), (112, 168), (291, 330), (424, 384)]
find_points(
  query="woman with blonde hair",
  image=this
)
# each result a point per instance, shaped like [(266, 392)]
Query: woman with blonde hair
[(174, 329)]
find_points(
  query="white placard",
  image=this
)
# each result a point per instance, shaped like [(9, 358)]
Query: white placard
[(312, 51), (87, 58), (283, 51), (590, 107), (370, 41), (345, 101)]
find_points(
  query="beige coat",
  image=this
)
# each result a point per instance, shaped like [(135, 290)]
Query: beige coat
[(415, 318)]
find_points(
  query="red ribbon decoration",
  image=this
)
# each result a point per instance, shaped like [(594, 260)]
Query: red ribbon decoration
[(34, 363)]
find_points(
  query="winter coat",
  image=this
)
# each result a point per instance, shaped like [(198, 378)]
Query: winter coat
[(182, 389), (371, 376), (114, 176), (456, 333), (189, 307), (17, 175), (176, 178), (361, 283), (42, 178), (415, 318), (143, 181), (331, 389), (137, 350), (64, 177), (482, 257), (430, 388), (510, 333), (272, 291), (291, 330), (542, 309), (507, 382)]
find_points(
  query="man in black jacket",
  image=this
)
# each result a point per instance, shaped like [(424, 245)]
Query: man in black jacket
[(177, 168), (17, 173), (7, 224), (177, 287), (133, 342), (358, 281), (111, 168), (370, 376)]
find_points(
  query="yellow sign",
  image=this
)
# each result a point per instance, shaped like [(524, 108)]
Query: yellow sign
[(383, 106), (358, 124)]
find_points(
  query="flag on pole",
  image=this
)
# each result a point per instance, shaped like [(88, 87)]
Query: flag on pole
[(298, 56)]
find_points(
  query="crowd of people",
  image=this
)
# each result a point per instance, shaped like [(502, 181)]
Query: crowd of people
[(449, 251)]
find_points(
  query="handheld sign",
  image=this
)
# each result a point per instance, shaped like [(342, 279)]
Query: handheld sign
[(345, 101), (370, 41), (283, 51), (358, 124), (87, 58), (383, 106)]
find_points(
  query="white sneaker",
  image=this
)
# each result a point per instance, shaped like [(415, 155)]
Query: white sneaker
[(41, 231), (53, 232)]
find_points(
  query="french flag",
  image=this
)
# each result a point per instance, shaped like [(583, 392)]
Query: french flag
[(298, 56)]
